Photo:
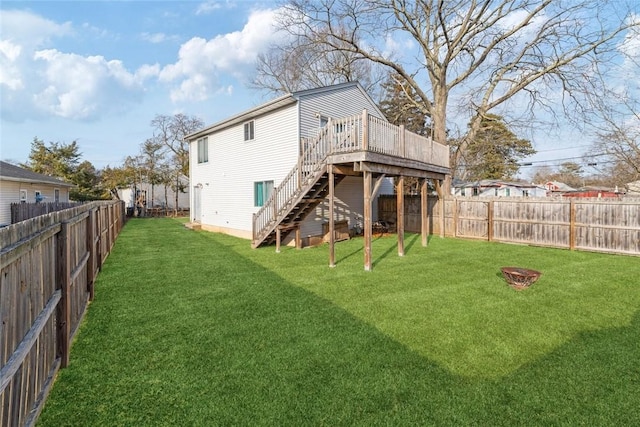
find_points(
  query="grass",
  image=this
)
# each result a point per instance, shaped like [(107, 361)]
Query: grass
[(194, 328)]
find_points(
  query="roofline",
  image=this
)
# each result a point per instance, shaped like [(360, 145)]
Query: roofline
[(36, 181), (274, 104)]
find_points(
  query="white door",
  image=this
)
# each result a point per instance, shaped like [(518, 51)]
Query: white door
[(197, 203)]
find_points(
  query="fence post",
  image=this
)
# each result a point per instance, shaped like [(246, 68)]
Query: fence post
[(454, 211), (424, 204), (490, 207), (99, 242), (63, 282), (402, 142), (572, 224), (91, 248)]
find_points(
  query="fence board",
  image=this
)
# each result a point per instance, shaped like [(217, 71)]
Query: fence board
[(610, 226), (37, 256)]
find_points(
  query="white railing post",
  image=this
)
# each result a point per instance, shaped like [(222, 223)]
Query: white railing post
[(365, 130), (402, 142)]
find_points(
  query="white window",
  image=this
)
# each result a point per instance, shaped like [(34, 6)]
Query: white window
[(203, 150), (39, 197), (56, 195), (23, 196), (261, 192), (324, 120), (249, 130)]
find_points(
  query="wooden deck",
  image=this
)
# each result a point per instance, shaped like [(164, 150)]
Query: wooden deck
[(361, 145)]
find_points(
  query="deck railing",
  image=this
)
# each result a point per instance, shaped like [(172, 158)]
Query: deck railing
[(361, 132)]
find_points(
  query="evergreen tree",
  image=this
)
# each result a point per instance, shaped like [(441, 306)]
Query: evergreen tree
[(494, 153), (400, 105)]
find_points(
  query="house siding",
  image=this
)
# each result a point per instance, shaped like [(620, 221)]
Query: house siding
[(227, 179), (127, 196), (333, 104), (10, 193), (349, 206)]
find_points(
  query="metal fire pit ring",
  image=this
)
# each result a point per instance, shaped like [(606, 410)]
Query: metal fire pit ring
[(520, 278)]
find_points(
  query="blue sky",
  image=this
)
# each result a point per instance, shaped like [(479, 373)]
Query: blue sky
[(97, 72)]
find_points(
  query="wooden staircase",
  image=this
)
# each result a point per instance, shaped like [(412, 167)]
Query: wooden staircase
[(349, 139), (297, 195)]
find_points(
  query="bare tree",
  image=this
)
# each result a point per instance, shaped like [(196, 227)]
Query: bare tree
[(484, 54), (170, 131), (616, 149), (299, 64)]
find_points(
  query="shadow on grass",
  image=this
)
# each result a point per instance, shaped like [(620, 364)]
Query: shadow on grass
[(184, 330)]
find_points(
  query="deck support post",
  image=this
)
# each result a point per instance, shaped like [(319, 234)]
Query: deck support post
[(400, 214), (298, 238), (367, 220), (440, 190), (424, 205), (278, 238), (332, 234)]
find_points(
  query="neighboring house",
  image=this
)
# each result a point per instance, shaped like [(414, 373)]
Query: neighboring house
[(555, 188), (497, 188), (594, 192), (265, 171), (633, 188), (160, 196), (22, 185)]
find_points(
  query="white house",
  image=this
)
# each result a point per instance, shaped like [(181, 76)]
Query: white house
[(22, 185), (158, 195), (265, 171), (497, 188)]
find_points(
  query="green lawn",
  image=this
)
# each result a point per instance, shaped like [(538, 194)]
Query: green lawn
[(193, 328)]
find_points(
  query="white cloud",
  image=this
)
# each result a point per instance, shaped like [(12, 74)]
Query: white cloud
[(30, 30), (210, 6), (200, 61), (9, 71), (37, 81), (157, 38), (79, 87)]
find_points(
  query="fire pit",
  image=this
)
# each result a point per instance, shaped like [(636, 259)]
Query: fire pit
[(520, 278)]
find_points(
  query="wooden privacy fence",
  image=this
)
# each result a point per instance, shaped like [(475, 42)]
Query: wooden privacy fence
[(611, 225), (24, 211), (48, 265)]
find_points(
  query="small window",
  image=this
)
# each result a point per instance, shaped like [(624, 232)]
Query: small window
[(23, 196), (508, 192), (525, 193), (261, 192), (495, 192), (462, 191), (39, 197), (476, 191), (249, 131), (324, 120), (56, 195), (203, 150)]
